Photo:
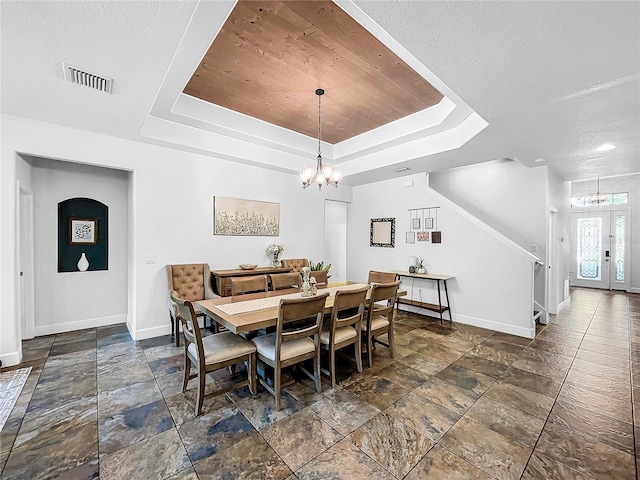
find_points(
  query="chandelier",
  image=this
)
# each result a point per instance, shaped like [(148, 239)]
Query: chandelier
[(324, 173), (597, 198)]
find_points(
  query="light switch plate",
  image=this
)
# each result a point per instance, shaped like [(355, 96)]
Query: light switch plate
[(150, 259)]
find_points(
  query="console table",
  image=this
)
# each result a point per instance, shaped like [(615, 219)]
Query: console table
[(221, 279), (439, 307)]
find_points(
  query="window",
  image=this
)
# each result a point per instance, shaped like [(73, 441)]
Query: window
[(610, 199)]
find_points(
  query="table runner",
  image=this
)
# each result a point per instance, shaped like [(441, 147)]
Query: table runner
[(271, 302)]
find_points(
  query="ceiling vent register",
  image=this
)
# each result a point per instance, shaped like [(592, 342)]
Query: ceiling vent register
[(75, 75)]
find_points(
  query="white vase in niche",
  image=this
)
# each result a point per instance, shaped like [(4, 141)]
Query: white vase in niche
[(83, 263)]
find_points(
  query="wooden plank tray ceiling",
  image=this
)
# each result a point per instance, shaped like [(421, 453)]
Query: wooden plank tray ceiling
[(270, 57)]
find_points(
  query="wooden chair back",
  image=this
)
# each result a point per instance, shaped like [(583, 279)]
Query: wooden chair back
[(382, 277), (348, 309), (280, 281), (249, 284), (190, 327)]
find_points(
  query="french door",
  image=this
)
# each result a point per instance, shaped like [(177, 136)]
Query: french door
[(600, 249)]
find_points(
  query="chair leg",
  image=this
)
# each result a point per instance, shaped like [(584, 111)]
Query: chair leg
[(200, 397), (369, 349), (276, 386), (177, 331), (316, 371), (173, 327), (390, 338), (187, 370), (253, 374), (358, 348), (332, 366)]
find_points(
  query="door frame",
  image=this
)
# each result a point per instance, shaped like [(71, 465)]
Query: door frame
[(25, 271), (607, 211)]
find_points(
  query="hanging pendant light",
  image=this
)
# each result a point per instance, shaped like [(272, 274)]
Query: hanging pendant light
[(597, 198), (324, 173)]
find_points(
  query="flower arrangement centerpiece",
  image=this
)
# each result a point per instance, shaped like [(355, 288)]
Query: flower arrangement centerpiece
[(275, 249)]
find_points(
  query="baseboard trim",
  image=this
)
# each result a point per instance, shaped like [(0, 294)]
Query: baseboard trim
[(482, 323), (10, 359), (40, 330), (564, 304), (633, 290), (151, 332)]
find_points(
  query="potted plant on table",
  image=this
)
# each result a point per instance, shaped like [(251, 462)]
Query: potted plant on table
[(320, 267), (419, 266)]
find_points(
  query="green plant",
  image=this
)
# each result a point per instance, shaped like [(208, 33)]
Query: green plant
[(318, 267)]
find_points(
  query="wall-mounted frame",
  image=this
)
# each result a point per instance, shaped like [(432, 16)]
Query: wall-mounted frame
[(415, 223), (232, 216), (383, 232), (411, 237), (423, 236), (83, 231), (428, 223)]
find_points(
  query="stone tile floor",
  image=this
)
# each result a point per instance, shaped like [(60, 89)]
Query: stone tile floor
[(455, 403)]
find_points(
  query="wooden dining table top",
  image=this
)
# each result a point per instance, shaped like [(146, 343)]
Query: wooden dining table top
[(248, 321)]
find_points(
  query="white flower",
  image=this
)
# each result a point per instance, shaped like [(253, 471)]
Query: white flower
[(275, 249)]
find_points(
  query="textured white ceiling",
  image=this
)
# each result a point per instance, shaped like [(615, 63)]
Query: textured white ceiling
[(553, 79)]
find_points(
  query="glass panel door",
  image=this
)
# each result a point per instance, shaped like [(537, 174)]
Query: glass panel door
[(600, 250)]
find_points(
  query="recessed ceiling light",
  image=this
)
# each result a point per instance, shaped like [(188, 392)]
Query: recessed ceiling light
[(539, 160), (402, 169), (605, 147)]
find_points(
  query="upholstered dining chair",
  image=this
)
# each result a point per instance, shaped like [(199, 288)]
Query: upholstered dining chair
[(250, 284), (381, 277), (380, 310), (295, 264), (192, 281), (344, 327), (280, 281), (212, 352), (297, 338), (320, 276)]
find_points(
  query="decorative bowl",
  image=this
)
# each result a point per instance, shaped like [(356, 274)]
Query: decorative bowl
[(247, 266)]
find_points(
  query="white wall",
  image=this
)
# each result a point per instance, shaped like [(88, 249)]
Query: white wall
[(623, 183), (170, 214), (66, 301), (335, 234), (493, 279), (507, 196)]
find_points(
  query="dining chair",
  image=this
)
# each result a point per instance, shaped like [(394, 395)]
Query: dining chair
[(344, 327), (250, 284), (192, 281), (381, 277), (297, 338), (295, 264), (379, 319), (211, 353), (320, 276), (280, 281)]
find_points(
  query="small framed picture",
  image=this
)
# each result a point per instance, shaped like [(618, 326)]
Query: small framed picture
[(428, 223), (411, 237), (83, 231), (415, 223), (423, 236)]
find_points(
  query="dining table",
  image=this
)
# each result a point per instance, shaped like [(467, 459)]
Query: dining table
[(255, 311)]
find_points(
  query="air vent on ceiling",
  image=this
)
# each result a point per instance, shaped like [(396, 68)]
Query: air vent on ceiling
[(75, 75)]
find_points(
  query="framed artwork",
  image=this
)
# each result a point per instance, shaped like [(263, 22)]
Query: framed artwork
[(83, 231), (436, 237), (428, 223), (383, 232), (423, 236), (232, 216), (411, 237), (415, 223)]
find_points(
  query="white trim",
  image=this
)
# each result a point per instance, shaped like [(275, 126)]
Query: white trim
[(633, 290), (479, 223), (476, 322), (11, 359), (563, 304), (151, 332), (79, 325)]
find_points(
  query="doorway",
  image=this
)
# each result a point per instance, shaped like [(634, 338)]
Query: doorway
[(335, 239), (600, 249), (24, 260)]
